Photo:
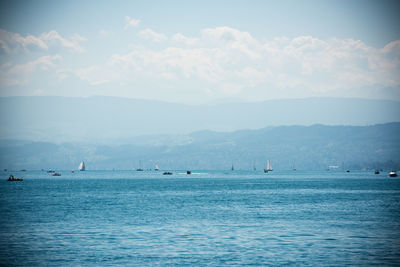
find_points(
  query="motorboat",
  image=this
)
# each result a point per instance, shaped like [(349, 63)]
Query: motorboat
[(12, 178)]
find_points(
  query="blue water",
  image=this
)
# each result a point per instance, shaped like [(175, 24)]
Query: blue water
[(101, 218)]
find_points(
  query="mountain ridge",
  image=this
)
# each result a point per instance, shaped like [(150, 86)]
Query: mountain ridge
[(108, 119), (308, 147)]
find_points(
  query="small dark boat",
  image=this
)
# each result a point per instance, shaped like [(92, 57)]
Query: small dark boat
[(376, 172), (392, 174), (188, 172), (347, 171), (56, 174), (50, 171), (11, 178), (140, 169), (167, 173)]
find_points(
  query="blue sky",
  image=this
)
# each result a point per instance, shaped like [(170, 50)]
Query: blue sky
[(201, 51)]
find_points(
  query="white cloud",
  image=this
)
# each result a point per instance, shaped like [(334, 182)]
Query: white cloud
[(11, 42), (181, 39), (230, 61), (151, 35), (104, 33), (227, 35), (19, 74), (131, 22), (14, 42), (93, 74), (220, 62), (71, 43), (38, 92), (63, 73)]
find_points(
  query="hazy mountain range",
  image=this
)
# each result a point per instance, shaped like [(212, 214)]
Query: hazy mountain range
[(303, 147), (110, 120), (109, 132)]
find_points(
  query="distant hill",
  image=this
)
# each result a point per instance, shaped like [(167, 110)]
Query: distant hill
[(111, 120), (305, 147)]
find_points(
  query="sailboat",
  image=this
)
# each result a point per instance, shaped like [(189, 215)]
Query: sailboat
[(232, 169), (269, 167), (156, 168), (81, 166), (140, 167)]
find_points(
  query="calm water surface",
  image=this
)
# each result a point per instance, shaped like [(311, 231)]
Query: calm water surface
[(209, 218)]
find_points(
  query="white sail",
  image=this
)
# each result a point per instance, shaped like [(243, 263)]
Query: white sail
[(156, 167), (81, 166), (269, 167)]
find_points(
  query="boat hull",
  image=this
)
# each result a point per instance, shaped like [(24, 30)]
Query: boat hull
[(15, 179)]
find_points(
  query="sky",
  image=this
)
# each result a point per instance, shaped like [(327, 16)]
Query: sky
[(201, 51)]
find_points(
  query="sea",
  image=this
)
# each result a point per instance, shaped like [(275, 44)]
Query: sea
[(207, 218)]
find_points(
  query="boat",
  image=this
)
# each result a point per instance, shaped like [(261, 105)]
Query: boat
[(232, 169), (50, 171), (56, 174), (140, 169), (156, 168), (269, 167), (73, 171), (82, 166), (12, 178), (167, 173), (188, 172), (392, 174), (376, 172)]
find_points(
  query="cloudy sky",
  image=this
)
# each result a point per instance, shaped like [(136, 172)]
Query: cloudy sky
[(201, 51)]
